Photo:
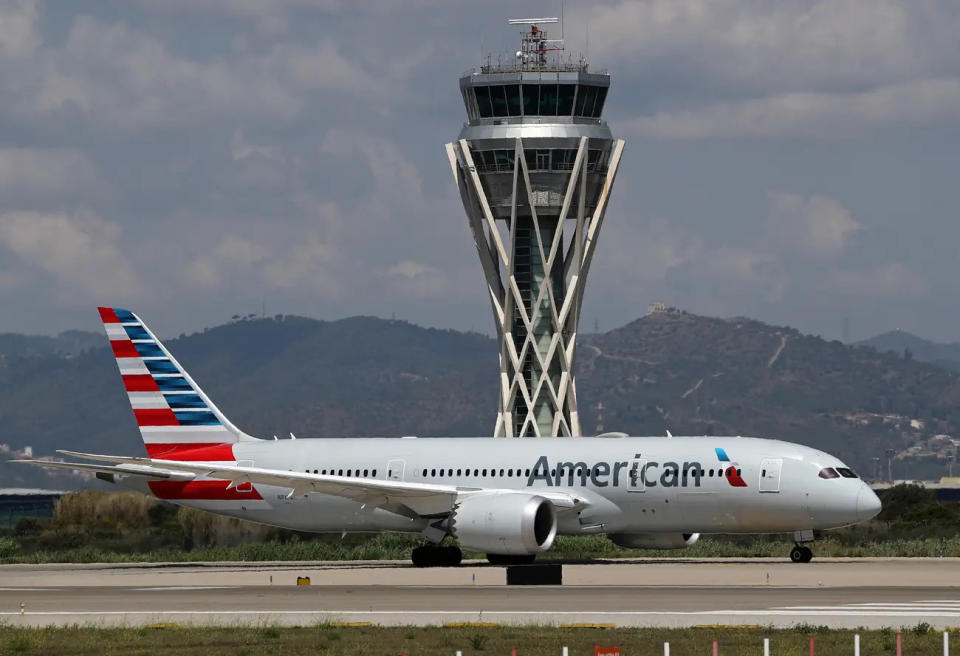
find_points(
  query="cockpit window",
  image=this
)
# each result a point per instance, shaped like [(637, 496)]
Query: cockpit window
[(846, 473), (829, 472)]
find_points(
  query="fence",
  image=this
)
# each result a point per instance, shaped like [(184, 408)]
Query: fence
[(614, 650)]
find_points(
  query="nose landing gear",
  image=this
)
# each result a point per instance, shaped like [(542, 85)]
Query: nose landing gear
[(801, 554)]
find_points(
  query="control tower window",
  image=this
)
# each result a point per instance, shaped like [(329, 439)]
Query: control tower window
[(548, 100), (504, 160), (498, 100), (598, 106), (531, 99), (513, 99), (483, 101), (565, 99), (586, 99)]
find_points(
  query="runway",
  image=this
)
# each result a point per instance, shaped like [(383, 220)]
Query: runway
[(838, 593)]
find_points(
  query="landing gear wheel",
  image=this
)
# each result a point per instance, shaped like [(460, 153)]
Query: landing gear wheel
[(504, 559), (433, 556), (801, 554)]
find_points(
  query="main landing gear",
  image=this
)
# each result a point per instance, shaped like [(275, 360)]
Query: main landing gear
[(801, 553), (431, 555)]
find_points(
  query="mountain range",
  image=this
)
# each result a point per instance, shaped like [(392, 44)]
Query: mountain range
[(366, 376)]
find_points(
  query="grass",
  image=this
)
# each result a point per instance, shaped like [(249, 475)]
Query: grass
[(425, 641), (398, 547)]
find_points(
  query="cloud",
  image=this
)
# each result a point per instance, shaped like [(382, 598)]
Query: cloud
[(19, 28), (82, 252), (312, 264), (37, 174), (809, 114), (411, 279), (232, 252), (893, 280), (114, 76), (776, 46), (816, 225), (240, 149)]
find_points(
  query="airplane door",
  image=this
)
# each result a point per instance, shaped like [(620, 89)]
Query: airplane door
[(635, 482), (770, 474), (395, 470)]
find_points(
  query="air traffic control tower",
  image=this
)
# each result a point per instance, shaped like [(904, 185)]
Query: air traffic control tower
[(535, 164)]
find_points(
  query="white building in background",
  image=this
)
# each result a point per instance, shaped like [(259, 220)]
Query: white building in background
[(535, 164)]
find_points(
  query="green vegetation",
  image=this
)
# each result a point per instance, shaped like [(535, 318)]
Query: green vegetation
[(918, 640), (97, 526)]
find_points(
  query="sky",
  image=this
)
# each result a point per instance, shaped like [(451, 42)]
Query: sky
[(794, 161)]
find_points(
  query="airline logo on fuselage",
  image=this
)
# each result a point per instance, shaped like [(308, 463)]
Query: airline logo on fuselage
[(628, 473)]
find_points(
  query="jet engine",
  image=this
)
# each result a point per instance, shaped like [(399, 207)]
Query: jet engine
[(655, 540), (508, 524)]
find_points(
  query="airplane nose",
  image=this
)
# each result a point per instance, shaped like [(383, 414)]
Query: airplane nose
[(868, 503)]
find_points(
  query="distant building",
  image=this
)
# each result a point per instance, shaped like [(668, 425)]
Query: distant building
[(657, 307), (23, 502)]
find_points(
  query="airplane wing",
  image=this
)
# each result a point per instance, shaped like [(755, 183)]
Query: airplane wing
[(402, 497), (129, 470)]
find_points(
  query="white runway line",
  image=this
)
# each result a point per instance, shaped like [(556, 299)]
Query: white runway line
[(182, 587)]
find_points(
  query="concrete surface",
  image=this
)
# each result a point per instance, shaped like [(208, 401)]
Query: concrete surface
[(835, 592)]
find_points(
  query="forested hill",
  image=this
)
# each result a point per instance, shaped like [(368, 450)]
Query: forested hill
[(367, 376), (918, 348)]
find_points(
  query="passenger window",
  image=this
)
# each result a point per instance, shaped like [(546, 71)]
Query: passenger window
[(339, 472), (449, 472), (829, 472), (433, 472), (510, 472), (484, 472), (527, 474), (314, 471), (424, 473), (846, 473), (459, 472), (476, 472), (374, 473), (711, 472), (501, 472)]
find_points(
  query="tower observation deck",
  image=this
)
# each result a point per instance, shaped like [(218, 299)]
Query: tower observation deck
[(535, 164)]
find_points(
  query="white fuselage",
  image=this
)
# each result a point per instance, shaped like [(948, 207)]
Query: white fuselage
[(630, 484)]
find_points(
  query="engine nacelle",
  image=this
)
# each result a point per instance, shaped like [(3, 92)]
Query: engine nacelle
[(655, 540), (508, 524)]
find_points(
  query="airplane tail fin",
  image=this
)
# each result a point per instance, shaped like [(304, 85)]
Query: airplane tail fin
[(177, 420)]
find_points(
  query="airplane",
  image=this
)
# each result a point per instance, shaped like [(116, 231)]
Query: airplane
[(508, 499)]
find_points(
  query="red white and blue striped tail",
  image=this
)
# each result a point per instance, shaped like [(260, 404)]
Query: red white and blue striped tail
[(177, 421)]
